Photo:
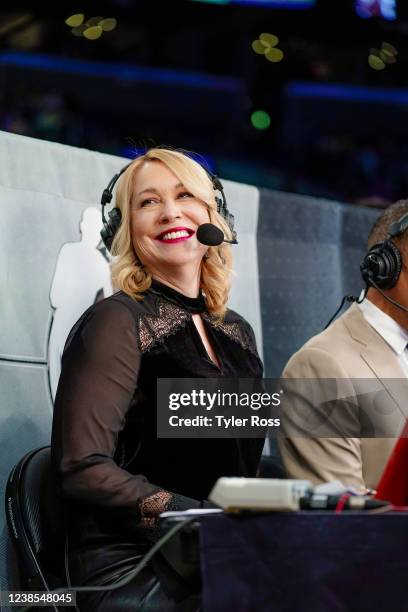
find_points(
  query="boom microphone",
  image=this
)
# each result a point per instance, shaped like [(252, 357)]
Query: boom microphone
[(211, 235)]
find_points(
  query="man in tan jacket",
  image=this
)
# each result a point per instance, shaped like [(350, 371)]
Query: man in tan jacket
[(363, 356)]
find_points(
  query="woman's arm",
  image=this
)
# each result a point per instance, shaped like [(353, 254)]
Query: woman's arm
[(100, 368)]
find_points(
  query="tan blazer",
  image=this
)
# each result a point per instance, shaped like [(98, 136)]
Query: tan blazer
[(349, 349)]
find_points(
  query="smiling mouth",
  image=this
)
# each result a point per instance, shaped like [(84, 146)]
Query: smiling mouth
[(175, 235)]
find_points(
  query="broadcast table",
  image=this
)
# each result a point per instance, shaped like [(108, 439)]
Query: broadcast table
[(305, 562)]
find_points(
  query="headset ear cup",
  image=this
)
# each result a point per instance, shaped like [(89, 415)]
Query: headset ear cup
[(382, 265), (395, 264), (219, 205), (111, 227)]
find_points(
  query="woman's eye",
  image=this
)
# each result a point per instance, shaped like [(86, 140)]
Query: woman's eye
[(148, 201), (185, 194)]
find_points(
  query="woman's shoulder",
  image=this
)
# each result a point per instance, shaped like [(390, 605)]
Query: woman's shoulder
[(233, 318), (237, 328), (119, 304), (110, 317), (120, 300)]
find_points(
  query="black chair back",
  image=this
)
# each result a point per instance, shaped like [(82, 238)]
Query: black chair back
[(36, 521)]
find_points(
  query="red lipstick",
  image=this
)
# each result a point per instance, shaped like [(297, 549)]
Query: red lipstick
[(172, 230)]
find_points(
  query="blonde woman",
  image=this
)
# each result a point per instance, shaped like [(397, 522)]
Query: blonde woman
[(168, 319)]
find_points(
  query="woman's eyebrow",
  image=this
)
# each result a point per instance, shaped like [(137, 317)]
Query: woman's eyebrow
[(147, 190), (154, 190)]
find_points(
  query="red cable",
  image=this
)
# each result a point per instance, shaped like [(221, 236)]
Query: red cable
[(342, 502), (399, 508)]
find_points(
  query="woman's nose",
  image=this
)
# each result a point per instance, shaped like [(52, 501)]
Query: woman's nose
[(170, 210)]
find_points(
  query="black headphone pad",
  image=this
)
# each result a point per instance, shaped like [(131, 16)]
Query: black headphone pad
[(111, 227), (382, 265), (396, 266)]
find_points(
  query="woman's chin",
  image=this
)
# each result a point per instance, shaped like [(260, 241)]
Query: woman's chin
[(176, 260)]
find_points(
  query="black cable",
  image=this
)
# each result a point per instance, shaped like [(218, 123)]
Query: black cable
[(321, 501), (348, 298), (351, 298), (397, 304), (40, 573), (67, 576), (112, 587)]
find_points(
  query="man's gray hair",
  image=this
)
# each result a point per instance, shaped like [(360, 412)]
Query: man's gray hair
[(391, 214)]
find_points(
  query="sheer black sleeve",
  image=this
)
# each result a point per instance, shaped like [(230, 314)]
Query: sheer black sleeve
[(99, 375)]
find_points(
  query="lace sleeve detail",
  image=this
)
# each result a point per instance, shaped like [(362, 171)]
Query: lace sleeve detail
[(239, 331), (153, 505), (156, 328)]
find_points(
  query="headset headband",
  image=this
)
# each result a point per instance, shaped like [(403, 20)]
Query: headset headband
[(111, 226), (382, 264), (399, 227)]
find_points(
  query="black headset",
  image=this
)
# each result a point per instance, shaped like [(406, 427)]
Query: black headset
[(381, 267), (111, 226), (382, 264)]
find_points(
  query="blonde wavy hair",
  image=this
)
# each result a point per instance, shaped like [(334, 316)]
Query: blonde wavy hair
[(130, 275)]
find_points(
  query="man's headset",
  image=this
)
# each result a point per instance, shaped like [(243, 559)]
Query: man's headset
[(381, 266), (111, 225)]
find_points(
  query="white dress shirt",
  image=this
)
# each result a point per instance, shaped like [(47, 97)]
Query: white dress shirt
[(395, 335)]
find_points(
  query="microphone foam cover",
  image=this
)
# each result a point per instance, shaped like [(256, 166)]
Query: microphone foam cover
[(210, 234)]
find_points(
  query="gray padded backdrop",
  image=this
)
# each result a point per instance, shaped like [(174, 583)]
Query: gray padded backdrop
[(309, 251), (297, 256), (51, 270)]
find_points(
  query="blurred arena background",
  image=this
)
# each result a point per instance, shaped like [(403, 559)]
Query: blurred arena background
[(304, 96), (300, 105)]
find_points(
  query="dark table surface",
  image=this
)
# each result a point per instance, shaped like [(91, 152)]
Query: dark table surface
[(305, 562)]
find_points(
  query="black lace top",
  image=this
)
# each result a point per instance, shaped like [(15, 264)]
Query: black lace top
[(107, 461)]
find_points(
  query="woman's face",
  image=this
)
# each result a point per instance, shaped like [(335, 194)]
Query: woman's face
[(164, 219)]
